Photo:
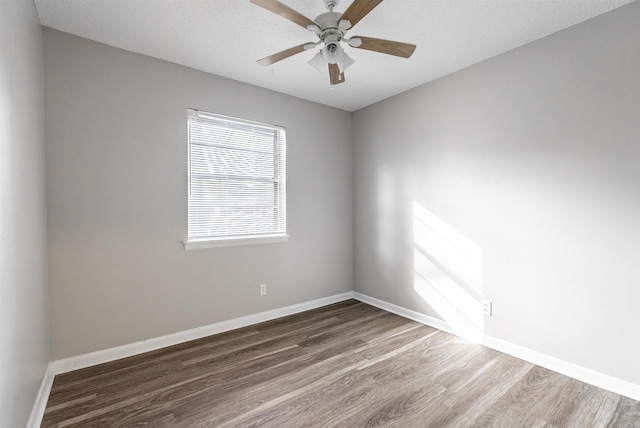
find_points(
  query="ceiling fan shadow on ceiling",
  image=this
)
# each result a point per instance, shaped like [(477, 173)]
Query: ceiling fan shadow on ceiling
[(330, 28)]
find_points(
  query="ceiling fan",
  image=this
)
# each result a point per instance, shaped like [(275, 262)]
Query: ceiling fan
[(330, 27)]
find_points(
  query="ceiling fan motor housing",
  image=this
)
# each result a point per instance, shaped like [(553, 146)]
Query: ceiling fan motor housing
[(328, 20)]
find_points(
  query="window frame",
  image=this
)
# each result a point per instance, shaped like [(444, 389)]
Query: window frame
[(280, 165)]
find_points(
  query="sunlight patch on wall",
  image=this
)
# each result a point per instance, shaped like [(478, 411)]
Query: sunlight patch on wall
[(448, 273), (454, 252)]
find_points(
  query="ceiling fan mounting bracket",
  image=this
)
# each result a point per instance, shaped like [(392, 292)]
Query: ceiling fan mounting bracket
[(331, 4)]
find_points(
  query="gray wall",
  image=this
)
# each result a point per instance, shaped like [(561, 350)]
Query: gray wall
[(515, 180), (23, 292), (117, 182)]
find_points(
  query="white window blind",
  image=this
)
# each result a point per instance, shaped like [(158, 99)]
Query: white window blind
[(237, 181)]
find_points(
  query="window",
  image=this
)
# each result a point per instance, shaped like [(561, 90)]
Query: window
[(237, 182)]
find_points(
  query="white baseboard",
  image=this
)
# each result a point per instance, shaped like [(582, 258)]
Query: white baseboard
[(37, 413), (112, 354), (558, 365), (403, 312)]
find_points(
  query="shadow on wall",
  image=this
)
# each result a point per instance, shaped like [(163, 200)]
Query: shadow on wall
[(448, 273)]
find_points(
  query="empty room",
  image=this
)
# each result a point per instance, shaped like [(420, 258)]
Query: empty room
[(319, 213)]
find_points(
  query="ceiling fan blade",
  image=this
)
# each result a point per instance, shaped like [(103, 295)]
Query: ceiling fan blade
[(335, 76), (358, 10), (389, 47), (285, 11), (272, 59)]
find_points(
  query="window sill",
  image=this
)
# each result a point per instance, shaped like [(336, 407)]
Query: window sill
[(200, 244)]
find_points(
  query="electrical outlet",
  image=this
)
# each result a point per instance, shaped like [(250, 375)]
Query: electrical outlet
[(263, 289), (487, 307)]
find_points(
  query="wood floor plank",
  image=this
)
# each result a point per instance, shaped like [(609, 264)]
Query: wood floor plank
[(627, 413), (319, 400), (343, 365), (483, 389)]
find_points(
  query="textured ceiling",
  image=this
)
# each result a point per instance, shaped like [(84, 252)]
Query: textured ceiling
[(226, 37)]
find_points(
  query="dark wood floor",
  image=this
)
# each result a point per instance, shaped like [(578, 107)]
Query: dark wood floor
[(346, 365)]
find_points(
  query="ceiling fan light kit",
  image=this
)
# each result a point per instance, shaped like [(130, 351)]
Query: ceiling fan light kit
[(330, 28)]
